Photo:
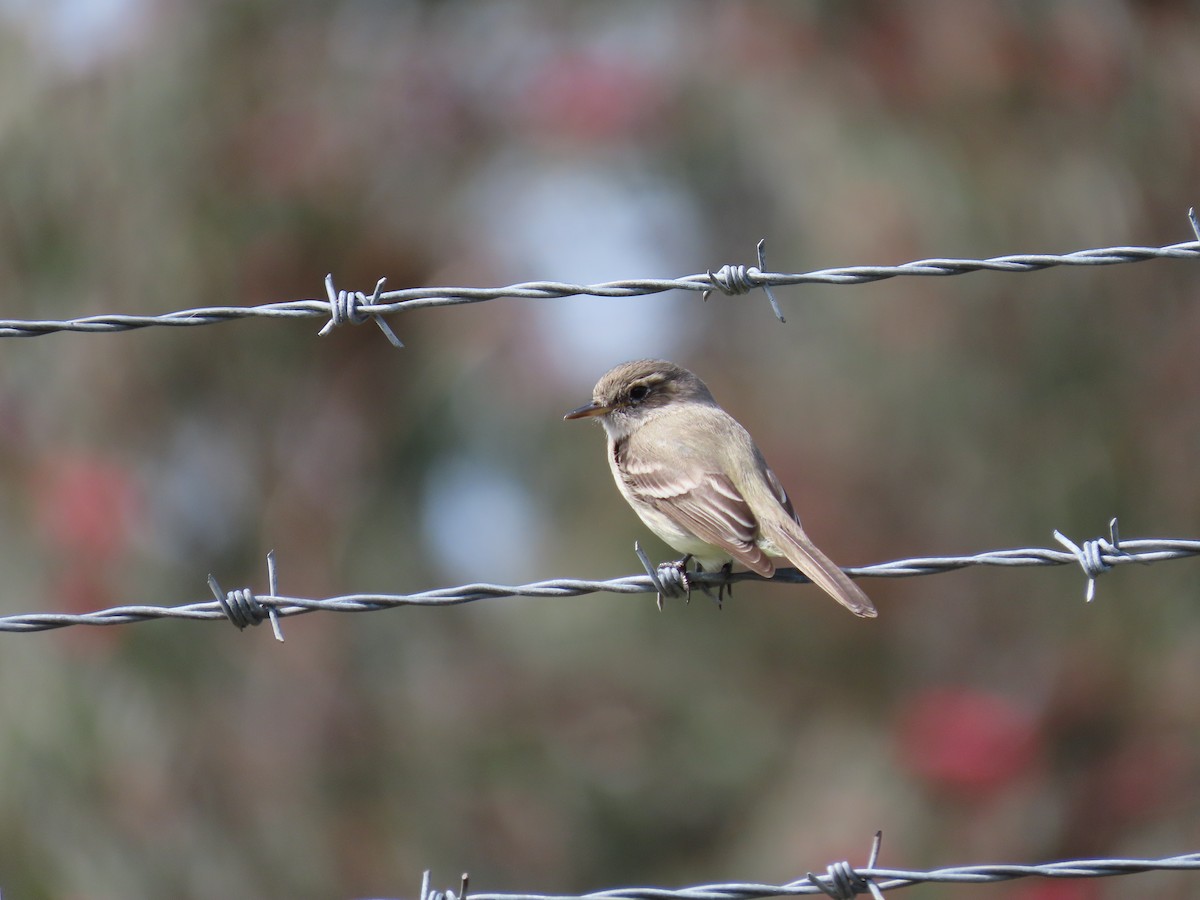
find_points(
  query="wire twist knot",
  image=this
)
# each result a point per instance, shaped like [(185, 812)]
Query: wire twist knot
[(242, 606), (734, 280), (840, 881), (669, 579), (1091, 556), (344, 307)]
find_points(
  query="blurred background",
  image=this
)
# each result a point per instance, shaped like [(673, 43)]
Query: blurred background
[(159, 155)]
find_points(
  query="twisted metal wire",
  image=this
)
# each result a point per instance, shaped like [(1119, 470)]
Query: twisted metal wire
[(355, 307), (843, 881), (243, 607)]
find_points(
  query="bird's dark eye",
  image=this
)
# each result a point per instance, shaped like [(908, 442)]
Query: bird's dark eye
[(638, 392)]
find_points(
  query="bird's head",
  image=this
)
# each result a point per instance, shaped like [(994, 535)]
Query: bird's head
[(630, 393)]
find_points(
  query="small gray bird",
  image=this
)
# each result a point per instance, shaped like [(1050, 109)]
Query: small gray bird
[(697, 479)]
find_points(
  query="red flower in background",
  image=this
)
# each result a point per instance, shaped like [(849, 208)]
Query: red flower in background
[(1058, 890), (966, 741), (85, 509), (593, 97), (85, 506)]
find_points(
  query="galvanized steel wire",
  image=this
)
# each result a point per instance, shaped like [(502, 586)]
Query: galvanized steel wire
[(844, 881), (244, 607), (355, 307)]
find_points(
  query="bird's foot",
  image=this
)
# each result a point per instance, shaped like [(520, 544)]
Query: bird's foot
[(724, 588), (673, 580)]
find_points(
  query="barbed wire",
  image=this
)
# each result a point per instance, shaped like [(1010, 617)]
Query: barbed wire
[(243, 607), (355, 307), (843, 881)]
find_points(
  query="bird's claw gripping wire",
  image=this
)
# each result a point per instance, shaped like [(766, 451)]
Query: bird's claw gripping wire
[(670, 579)]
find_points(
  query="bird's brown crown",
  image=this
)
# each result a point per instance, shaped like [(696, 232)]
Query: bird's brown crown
[(648, 383)]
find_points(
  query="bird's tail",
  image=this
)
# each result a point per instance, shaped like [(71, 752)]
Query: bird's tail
[(789, 538)]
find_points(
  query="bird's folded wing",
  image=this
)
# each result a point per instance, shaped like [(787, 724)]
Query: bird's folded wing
[(705, 503), (780, 494)]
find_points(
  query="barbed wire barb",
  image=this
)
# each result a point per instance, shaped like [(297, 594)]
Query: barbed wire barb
[(344, 307), (670, 579), (659, 590), (428, 894), (1091, 555), (733, 280), (842, 882), (872, 862), (243, 607), (355, 307)]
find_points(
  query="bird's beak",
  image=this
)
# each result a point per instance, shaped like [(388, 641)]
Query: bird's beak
[(588, 410)]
